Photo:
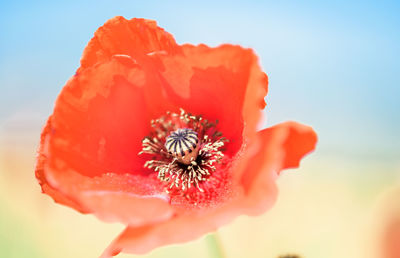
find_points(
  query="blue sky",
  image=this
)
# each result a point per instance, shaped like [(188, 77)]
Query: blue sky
[(332, 65)]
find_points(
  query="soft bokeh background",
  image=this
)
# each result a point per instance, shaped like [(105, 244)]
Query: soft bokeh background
[(334, 66)]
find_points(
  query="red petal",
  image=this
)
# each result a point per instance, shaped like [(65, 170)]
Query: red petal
[(300, 140), (46, 187), (277, 148), (224, 84), (99, 120), (180, 229), (135, 38), (97, 126), (127, 198)]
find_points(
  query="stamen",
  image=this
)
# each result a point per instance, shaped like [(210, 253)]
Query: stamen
[(184, 149)]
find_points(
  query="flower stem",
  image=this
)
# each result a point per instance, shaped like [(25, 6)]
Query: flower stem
[(214, 246)]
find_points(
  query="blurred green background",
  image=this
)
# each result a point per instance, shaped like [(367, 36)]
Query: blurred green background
[(332, 65)]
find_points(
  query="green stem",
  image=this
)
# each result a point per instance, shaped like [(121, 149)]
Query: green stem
[(214, 246)]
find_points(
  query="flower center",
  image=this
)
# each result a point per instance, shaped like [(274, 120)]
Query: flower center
[(184, 150)]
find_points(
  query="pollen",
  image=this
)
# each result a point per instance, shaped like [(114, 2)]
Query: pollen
[(184, 150)]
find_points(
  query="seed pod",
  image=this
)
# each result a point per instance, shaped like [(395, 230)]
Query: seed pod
[(183, 144)]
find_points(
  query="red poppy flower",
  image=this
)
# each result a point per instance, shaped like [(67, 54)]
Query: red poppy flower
[(162, 137)]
